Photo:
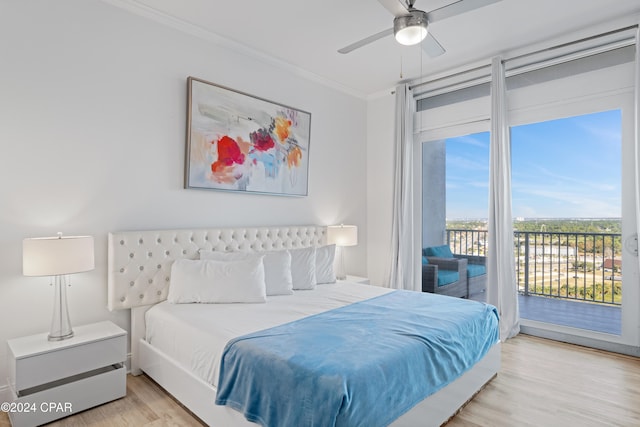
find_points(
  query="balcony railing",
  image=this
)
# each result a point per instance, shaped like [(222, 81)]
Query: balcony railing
[(577, 266)]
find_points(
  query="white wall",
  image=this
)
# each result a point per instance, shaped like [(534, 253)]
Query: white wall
[(380, 160), (92, 137)]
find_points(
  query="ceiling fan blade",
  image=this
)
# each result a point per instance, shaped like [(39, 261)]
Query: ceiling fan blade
[(395, 7), (431, 46), (366, 41), (457, 8)]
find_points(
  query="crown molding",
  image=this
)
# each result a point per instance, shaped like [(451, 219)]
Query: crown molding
[(145, 11)]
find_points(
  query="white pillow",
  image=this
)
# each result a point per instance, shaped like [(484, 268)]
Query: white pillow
[(324, 264), (277, 268), (303, 268), (209, 281)]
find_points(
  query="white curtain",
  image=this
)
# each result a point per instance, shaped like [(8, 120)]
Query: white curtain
[(501, 278), (403, 257)]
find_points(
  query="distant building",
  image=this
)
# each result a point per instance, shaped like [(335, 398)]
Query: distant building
[(612, 264)]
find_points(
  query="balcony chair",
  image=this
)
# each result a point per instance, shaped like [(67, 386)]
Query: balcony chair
[(476, 269), (444, 276)]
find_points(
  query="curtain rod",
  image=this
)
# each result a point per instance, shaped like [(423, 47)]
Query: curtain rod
[(549, 49)]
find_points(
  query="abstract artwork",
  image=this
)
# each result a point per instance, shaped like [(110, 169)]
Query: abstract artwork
[(239, 142)]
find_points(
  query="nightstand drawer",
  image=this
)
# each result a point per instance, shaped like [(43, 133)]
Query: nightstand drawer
[(65, 362), (68, 398)]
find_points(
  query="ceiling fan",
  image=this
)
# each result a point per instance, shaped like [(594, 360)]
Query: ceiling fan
[(410, 24)]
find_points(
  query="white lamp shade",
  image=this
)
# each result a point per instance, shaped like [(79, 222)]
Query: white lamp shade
[(342, 235), (52, 256)]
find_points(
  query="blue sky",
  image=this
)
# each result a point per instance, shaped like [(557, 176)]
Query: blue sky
[(565, 168)]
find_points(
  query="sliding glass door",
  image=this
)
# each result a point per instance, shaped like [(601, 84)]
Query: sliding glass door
[(567, 206), (455, 176), (573, 199), (573, 184)]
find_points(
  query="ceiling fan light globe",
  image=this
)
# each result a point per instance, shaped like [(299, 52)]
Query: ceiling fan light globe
[(411, 35), (410, 29)]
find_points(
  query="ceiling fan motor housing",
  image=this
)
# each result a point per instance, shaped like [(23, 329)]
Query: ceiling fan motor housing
[(412, 28)]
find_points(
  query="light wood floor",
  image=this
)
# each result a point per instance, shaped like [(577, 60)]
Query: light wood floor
[(542, 383)]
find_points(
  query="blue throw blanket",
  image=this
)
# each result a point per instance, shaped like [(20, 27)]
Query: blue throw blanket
[(364, 364)]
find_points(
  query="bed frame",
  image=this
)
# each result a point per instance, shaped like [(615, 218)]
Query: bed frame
[(139, 269)]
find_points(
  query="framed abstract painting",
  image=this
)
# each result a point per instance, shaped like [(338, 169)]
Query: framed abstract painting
[(239, 142)]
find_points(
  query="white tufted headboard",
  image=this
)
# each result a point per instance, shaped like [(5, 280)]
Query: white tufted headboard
[(140, 261)]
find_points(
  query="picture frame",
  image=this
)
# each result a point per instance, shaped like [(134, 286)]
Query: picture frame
[(242, 143)]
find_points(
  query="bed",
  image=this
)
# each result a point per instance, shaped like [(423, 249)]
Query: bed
[(177, 355)]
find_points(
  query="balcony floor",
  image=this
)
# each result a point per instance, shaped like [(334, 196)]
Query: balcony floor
[(576, 314)]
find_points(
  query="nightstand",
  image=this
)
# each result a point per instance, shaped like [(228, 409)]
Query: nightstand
[(55, 379), (356, 279)]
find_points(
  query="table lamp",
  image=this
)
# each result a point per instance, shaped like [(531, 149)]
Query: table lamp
[(58, 257), (342, 235)]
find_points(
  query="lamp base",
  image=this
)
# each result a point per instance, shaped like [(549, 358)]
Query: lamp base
[(60, 323), (341, 274)]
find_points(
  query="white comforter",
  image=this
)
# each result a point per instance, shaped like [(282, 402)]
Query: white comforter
[(194, 335)]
